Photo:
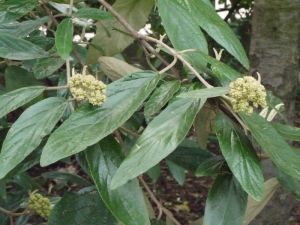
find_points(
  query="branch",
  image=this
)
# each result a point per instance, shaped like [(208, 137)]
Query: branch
[(231, 10), (136, 35)]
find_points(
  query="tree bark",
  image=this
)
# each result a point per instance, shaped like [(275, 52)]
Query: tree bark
[(274, 53)]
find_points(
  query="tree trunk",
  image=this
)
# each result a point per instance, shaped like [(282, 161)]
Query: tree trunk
[(274, 53)]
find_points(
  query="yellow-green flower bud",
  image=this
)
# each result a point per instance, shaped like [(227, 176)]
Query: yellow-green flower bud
[(39, 204), (244, 91), (87, 87)]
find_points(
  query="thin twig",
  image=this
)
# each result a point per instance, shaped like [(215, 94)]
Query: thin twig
[(129, 132), (121, 142), (48, 11), (169, 66), (76, 53), (71, 7), (57, 87), (10, 213), (154, 199)]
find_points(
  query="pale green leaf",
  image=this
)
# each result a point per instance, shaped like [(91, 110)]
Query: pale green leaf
[(115, 68), (107, 35), (177, 172), (46, 66)]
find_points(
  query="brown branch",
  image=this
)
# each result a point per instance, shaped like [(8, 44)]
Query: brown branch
[(231, 10), (154, 199), (48, 11)]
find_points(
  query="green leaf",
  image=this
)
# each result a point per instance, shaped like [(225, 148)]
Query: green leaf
[(160, 97), (18, 49), (240, 156), (205, 93), (14, 9), (288, 183), (26, 182), (226, 202), (224, 73), (27, 132), (89, 124), (182, 29), (107, 35), (127, 202), (68, 177), (203, 124), (116, 68), (46, 66), (154, 172), (273, 144), (64, 38), (159, 139), (210, 167), (212, 23), (22, 29), (13, 100), (92, 13), (288, 132), (254, 207), (87, 208), (31, 160), (188, 155), (177, 172)]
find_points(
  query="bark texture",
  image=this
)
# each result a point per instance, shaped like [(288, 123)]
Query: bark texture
[(274, 53)]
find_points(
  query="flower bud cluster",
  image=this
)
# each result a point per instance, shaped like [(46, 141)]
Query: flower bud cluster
[(245, 90), (87, 87), (39, 204)]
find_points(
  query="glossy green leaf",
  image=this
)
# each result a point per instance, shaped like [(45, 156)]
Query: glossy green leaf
[(87, 208), (107, 35), (273, 144), (182, 29), (26, 182), (154, 172), (240, 156), (89, 124), (68, 177), (286, 131), (223, 73), (45, 43), (64, 38), (205, 93), (46, 66), (226, 202), (92, 13), (115, 68), (188, 155), (160, 97), (13, 100), (14, 9), (27, 132), (22, 29), (212, 23), (159, 139), (127, 202), (177, 172), (18, 49), (288, 183), (210, 167)]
